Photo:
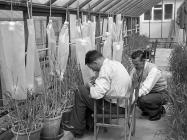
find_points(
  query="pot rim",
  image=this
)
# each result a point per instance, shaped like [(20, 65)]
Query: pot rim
[(53, 118), (30, 132)]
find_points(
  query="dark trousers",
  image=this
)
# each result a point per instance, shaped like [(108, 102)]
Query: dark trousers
[(152, 102), (83, 104)]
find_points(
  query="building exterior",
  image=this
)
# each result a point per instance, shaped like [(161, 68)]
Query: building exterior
[(159, 22)]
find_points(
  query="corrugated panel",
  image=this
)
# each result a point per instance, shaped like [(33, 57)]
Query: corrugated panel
[(91, 3), (140, 8), (111, 5), (102, 5), (127, 5), (146, 7), (95, 4), (75, 4), (133, 6), (116, 6)]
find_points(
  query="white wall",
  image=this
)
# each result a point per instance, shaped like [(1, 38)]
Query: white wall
[(158, 29)]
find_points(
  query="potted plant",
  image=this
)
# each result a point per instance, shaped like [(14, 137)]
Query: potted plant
[(25, 116), (58, 99)]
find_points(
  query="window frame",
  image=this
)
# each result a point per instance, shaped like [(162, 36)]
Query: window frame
[(172, 14), (163, 14), (157, 9)]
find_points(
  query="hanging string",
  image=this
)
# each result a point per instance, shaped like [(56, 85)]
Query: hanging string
[(78, 13), (82, 17), (67, 13), (89, 14), (50, 9), (31, 8), (11, 10), (174, 18), (28, 9), (107, 28), (79, 23)]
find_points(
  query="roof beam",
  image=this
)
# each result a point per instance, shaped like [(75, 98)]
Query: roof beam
[(84, 3), (126, 4), (145, 7), (50, 2), (115, 3), (105, 4), (139, 8), (43, 10), (70, 2), (130, 6), (96, 4), (116, 6)]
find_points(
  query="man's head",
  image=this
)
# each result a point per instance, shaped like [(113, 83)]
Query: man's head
[(138, 59), (94, 60)]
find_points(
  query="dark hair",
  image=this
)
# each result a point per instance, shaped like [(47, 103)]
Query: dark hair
[(142, 54), (91, 56)]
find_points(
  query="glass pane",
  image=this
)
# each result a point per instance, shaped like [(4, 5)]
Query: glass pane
[(158, 6), (6, 15), (147, 15), (157, 14), (168, 11)]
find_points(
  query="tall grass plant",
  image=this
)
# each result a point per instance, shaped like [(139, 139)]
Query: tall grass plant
[(177, 85)]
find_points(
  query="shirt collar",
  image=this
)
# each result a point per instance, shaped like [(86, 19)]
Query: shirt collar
[(145, 65), (105, 61)]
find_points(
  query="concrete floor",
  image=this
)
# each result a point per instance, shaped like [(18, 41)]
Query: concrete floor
[(145, 130)]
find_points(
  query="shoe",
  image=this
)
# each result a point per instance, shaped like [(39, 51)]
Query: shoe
[(71, 129), (145, 114), (155, 118), (68, 136), (67, 127)]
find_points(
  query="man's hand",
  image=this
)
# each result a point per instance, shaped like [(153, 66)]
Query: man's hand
[(92, 80), (89, 84)]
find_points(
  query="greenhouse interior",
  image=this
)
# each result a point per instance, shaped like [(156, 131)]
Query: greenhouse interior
[(93, 70)]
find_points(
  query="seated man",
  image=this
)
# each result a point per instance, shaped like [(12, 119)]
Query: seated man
[(153, 86), (113, 80)]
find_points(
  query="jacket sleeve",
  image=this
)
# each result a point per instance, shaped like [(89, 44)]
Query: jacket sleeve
[(150, 81), (102, 85)]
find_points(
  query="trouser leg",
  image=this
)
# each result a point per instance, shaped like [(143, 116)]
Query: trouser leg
[(109, 107), (81, 103), (152, 103)]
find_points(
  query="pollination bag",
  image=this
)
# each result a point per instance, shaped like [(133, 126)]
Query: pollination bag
[(117, 51), (33, 70), (63, 50), (51, 45), (82, 47), (107, 47), (12, 58)]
